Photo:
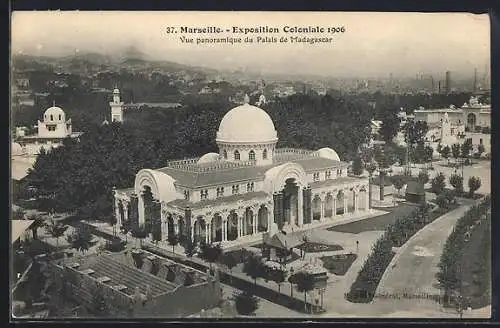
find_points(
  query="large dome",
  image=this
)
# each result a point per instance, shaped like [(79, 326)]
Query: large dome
[(247, 123), (54, 113)]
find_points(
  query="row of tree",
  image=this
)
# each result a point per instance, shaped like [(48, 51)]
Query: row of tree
[(449, 277), (396, 234)]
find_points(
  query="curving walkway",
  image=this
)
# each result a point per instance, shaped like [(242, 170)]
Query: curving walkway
[(414, 267)]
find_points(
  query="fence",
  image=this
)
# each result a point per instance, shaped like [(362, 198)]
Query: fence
[(240, 283)]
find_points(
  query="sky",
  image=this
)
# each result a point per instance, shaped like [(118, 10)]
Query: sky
[(373, 44)]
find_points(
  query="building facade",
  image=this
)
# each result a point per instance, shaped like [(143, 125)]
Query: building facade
[(249, 189)]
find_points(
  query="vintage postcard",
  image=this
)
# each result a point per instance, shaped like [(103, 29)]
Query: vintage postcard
[(250, 165)]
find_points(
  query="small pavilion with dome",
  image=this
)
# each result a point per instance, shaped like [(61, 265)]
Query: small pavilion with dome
[(248, 191), (52, 129)]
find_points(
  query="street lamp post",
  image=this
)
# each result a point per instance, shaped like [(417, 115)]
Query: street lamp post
[(291, 284)]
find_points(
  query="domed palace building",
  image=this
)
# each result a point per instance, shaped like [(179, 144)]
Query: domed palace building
[(249, 189), (52, 130)]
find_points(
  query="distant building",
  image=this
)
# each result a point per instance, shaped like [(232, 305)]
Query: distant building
[(51, 131), (116, 107), (455, 125)]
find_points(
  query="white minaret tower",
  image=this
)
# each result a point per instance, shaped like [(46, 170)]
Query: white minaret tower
[(116, 107)]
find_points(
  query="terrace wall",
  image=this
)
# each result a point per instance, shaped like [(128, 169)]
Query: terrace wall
[(83, 289), (182, 302)]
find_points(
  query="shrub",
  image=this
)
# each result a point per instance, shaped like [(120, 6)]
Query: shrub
[(474, 185), (246, 303), (457, 181), (438, 184), (423, 176)]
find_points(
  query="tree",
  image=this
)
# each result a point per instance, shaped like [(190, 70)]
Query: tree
[(474, 185), (414, 132), (278, 275), (246, 303), (80, 239), (56, 230), (305, 283), (428, 153), (18, 214), (455, 151), (445, 152), (357, 166), (438, 183), (173, 240), (189, 247), (229, 260), (253, 267), (480, 149), (457, 181), (210, 253), (139, 232), (390, 126), (423, 177), (398, 182), (465, 149), (39, 222)]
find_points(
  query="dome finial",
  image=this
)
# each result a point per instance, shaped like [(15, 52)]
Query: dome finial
[(246, 100), (53, 103)]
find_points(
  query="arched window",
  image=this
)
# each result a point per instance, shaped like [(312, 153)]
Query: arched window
[(51, 117), (59, 117), (236, 155), (264, 154), (251, 155), (224, 153)]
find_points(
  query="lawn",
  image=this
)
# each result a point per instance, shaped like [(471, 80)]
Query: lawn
[(311, 247), (338, 264), (378, 223)]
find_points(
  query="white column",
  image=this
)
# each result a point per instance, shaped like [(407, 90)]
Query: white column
[(322, 210), (165, 230), (254, 222), (300, 204), (355, 200), (125, 210), (244, 220), (345, 202), (117, 213), (140, 209), (224, 230), (334, 213), (240, 226), (176, 226), (192, 230), (207, 232), (270, 218), (367, 200)]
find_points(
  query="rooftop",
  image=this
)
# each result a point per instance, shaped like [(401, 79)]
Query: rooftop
[(189, 172), (119, 271), (181, 203), (334, 182)]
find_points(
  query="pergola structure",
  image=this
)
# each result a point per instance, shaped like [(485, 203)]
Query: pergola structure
[(279, 247)]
